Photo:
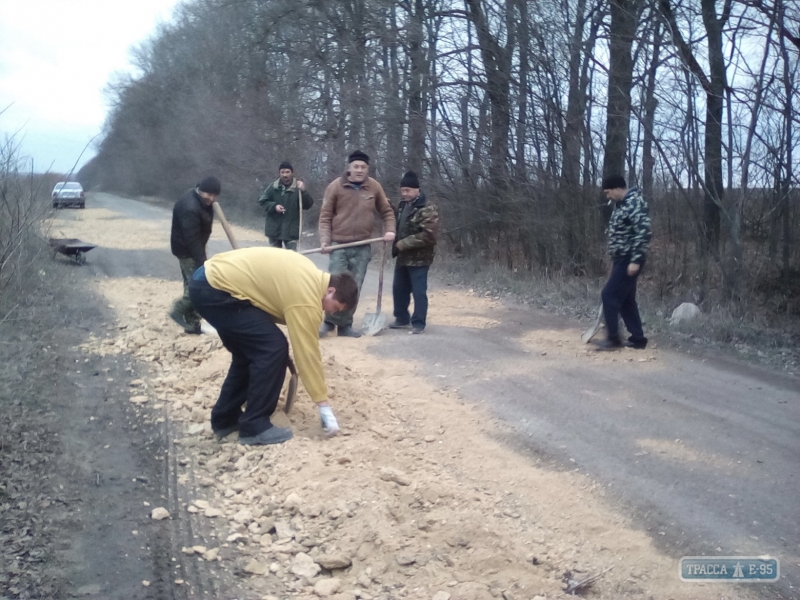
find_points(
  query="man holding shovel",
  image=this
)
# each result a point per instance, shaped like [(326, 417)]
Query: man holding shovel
[(245, 294), (417, 228), (192, 218), (347, 215), (281, 201), (629, 233)]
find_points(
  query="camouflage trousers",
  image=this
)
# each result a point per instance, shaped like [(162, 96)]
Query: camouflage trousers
[(356, 260), (183, 306)]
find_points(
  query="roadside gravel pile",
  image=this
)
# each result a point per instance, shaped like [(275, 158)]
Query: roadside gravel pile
[(420, 497), (413, 500)]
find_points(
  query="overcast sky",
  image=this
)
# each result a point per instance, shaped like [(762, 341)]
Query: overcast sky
[(56, 58)]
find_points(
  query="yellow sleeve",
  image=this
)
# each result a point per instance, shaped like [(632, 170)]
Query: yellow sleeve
[(303, 323)]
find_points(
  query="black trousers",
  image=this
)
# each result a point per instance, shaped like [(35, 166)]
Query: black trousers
[(259, 357), (619, 300)]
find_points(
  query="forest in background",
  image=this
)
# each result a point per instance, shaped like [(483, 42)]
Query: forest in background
[(511, 110)]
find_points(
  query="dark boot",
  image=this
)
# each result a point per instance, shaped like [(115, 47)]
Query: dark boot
[(348, 331), (609, 345), (639, 344), (193, 329), (273, 435), (326, 328)]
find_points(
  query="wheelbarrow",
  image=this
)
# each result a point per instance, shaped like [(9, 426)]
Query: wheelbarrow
[(72, 248)]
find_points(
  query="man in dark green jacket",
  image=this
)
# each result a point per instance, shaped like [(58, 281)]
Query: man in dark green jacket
[(414, 247), (281, 202)]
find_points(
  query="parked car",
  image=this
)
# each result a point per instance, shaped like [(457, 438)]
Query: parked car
[(68, 193)]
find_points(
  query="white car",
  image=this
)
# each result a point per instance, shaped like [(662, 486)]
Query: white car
[(68, 193)]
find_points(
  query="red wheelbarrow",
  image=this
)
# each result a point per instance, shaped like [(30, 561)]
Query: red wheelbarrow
[(72, 248)]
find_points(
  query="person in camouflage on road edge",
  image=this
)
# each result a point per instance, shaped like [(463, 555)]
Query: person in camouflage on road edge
[(414, 248), (629, 233)]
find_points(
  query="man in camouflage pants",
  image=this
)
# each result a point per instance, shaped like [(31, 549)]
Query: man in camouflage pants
[(629, 235), (192, 218), (347, 215), (417, 228)]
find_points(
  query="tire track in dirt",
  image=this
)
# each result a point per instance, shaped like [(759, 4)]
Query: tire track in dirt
[(420, 496)]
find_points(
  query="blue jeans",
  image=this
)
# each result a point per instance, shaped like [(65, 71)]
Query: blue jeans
[(355, 260), (260, 355), (408, 282), (619, 300)]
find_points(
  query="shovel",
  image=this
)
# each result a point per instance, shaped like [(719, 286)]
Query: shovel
[(375, 322), (592, 330), (347, 245), (292, 391)]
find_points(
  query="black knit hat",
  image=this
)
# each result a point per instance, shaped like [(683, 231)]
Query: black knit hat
[(410, 180), (286, 165), (210, 185), (612, 182), (358, 155)]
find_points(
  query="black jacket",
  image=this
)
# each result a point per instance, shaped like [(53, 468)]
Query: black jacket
[(191, 227)]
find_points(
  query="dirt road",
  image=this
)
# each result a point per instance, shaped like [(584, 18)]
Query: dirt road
[(484, 459)]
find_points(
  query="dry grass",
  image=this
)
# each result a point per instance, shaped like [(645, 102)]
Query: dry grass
[(749, 331)]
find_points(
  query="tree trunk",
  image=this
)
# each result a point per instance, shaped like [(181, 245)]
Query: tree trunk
[(650, 105), (497, 67), (715, 104), (521, 130), (418, 69), (624, 18)]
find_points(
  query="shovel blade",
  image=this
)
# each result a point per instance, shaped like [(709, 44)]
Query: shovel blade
[(373, 324), (592, 330), (291, 392)]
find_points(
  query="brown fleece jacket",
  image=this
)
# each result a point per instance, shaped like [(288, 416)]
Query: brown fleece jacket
[(347, 213)]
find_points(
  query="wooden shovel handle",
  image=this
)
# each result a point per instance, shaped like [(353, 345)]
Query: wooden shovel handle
[(380, 276), (347, 245), (224, 222), (300, 224)]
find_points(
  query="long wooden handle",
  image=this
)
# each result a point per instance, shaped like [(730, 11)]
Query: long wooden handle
[(300, 225), (380, 277), (347, 245), (221, 218)]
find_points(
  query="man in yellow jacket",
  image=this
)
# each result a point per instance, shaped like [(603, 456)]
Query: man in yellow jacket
[(244, 294)]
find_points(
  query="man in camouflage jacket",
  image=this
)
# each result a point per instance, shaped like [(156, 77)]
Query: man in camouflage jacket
[(417, 228), (629, 235)]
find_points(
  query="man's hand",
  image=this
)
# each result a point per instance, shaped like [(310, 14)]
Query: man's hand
[(301, 186), (388, 236), (633, 269), (325, 249), (329, 424), (280, 208)]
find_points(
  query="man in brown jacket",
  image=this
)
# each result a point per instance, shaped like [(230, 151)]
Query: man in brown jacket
[(348, 215)]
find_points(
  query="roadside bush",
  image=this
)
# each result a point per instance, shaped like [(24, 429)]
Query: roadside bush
[(24, 207)]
